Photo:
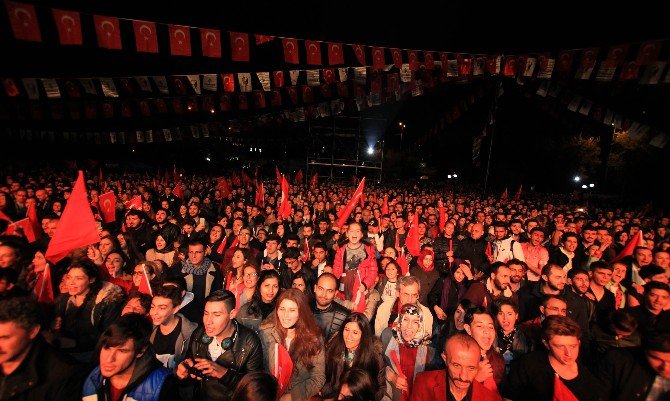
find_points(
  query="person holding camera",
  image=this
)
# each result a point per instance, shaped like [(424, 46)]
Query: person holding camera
[(221, 350)]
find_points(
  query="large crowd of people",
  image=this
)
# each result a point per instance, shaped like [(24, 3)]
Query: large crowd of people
[(419, 294)]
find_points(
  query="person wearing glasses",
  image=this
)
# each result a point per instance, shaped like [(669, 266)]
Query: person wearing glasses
[(241, 242), (202, 278), (551, 305)]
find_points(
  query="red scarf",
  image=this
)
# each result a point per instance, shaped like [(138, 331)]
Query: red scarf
[(422, 255)]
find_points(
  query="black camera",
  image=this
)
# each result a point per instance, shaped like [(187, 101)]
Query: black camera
[(192, 370)]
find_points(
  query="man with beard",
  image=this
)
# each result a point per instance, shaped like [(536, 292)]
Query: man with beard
[(462, 356), (517, 277), (329, 315), (483, 293), (552, 282)]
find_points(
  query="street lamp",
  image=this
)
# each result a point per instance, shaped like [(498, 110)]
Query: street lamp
[(584, 186), (371, 150), (577, 178), (592, 185)]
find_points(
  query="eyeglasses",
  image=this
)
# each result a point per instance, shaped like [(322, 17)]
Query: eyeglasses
[(250, 275), (245, 235)]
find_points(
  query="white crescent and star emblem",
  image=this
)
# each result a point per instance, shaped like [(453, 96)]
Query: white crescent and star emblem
[(290, 46), (312, 45), (145, 27), (183, 36), (105, 23), (336, 49), (106, 205), (210, 42), (20, 10), (378, 54), (68, 18), (239, 46)]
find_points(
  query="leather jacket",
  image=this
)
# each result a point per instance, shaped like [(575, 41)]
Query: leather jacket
[(330, 320)]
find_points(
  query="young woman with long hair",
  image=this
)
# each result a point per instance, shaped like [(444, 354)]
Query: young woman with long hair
[(293, 326), (262, 303), (354, 346)]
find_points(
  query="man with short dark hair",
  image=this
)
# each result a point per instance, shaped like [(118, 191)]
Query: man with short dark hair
[(329, 314), (483, 293), (202, 278), (601, 274), (221, 351), (128, 368), (29, 368), (652, 314), (292, 260), (461, 354)]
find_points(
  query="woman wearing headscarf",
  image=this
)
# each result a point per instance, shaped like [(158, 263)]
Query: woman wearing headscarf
[(164, 249), (406, 353), (426, 273)]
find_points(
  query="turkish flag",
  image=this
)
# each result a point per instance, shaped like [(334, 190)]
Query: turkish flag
[(616, 55), (517, 195), (335, 54), (146, 40), (228, 82), (510, 66), (396, 55), (413, 60), (260, 196), (211, 42), (134, 203), (378, 58), (34, 221), (385, 206), (68, 24), (329, 75), (344, 214), (239, 46), (4, 217), (412, 241), (275, 98), (23, 19), (307, 94), (283, 368), (180, 40), (290, 50), (630, 70), (429, 60), (278, 78), (360, 300), (589, 57), (285, 205), (648, 52), (491, 65), (108, 32), (464, 65), (298, 177), (261, 39), (278, 174), (359, 52), (178, 191), (564, 61), (259, 100), (292, 94), (630, 246), (145, 284), (314, 182), (25, 227), (313, 48), (107, 202), (562, 392), (43, 287), (242, 101), (77, 226)]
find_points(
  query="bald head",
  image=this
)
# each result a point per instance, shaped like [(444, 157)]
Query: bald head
[(477, 231), (461, 355)]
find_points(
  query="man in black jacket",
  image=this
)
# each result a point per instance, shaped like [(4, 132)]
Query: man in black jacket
[(329, 315), (29, 368), (473, 249), (221, 351), (637, 374)]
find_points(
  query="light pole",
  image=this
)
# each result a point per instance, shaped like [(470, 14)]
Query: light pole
[(402, 126)]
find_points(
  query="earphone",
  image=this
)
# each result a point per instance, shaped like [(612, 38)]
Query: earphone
[(227, 343)]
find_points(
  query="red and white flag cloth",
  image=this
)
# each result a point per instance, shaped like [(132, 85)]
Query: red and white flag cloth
[(68, 24), (23, 19), (180, 40), (108, 32), (313, 48), (107, 203), (211, 42), (283, 368), (146, 38), (359, 52), (562, 392), (290, 46), (145, 284), (285, 205), (335, 54), (239, 45), (633, 243), (134, 203), (344, 214), (76, 227), (43, 287)]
